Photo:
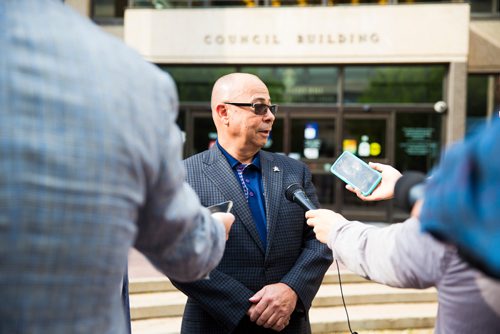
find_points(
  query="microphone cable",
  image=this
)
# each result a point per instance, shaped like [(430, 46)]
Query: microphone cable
[(343, 300), (296, 194)]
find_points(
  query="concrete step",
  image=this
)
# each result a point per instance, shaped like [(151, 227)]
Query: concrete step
[(157, 305), (398, 331), (153, 284), (328, 320), (171, 303), (157, 284), (370, 293), (373, 317)]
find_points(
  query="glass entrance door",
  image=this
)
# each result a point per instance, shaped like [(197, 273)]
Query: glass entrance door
[(370, 136)]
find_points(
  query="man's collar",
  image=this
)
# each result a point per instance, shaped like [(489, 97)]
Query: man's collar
[(233, 162)]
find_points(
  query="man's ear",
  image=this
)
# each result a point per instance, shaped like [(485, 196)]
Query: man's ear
[(222, 113)]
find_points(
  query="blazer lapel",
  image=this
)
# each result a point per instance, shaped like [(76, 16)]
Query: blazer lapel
[(217, 170), (272, 181)]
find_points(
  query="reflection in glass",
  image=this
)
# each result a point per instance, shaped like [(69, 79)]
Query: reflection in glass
[(289, 84), (325, 188), (352, 202), (204, 134), (325, 141), (418, 138), (365, 138), (108, 8), (275, 141), (397, 84), (194, 84), (477, 101), (181, 122), (482, 6)]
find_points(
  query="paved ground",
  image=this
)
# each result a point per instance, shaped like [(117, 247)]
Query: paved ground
[(139, 266)]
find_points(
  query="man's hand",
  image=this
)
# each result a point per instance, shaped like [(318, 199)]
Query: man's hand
[(322, 221), (225, 218), (385, 189), (273, 306), (415, 211)]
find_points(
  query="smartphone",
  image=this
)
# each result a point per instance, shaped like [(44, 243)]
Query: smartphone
[(221, 207), (355, 172)]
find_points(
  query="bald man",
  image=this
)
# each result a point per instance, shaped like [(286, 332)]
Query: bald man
[(273, 265)]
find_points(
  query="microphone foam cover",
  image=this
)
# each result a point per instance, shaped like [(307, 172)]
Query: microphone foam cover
[(403, 187)]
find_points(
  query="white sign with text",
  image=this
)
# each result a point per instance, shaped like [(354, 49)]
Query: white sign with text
[(270, 35)]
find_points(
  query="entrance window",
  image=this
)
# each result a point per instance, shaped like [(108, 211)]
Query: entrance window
[(365, 137), (275, 141), (325, 187), (298, 84), (204, 134), (418, 141), (315, 124), (194, 84), (394, 84), (313, 139), (483, 100), (484, 7)]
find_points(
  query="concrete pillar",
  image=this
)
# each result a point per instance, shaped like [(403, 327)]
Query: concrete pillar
[(456, 95), (81, 6)]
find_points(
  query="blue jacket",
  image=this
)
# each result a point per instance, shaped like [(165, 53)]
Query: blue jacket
[(462, 199)]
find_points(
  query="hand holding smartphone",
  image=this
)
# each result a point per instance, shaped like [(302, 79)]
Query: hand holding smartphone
[(221, 211), (355, 172), (221, 207)]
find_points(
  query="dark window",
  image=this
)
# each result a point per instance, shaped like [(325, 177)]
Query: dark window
[(394, 84), (194, 84), (314, 127), (108, 9), (477, 101), (418, 141), (307, 147), (275, 141), (298, 84), (483, 6), (204, 134), (365, 137)]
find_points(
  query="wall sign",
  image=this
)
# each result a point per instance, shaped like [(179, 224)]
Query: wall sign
[(338, 34)]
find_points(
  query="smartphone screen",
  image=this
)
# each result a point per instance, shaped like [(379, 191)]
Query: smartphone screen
[(221, 207), (355, 172)]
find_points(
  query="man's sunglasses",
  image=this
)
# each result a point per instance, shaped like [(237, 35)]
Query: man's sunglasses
[(258, 108)]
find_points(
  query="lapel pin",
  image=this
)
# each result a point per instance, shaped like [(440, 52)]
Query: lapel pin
[(276, 169)]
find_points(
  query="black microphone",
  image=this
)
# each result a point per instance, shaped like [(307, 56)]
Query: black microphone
[(295, 193), (409, 189)]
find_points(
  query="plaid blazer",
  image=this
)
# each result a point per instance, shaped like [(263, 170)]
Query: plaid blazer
[(90, 162), (293, 255)]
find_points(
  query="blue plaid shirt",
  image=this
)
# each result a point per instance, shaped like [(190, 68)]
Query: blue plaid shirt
[(90, 164)]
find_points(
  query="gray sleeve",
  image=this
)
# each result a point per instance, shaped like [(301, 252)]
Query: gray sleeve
[(399, 255), (176, 233)]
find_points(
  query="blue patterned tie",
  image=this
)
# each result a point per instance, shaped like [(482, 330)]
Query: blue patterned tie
[(255, 203)]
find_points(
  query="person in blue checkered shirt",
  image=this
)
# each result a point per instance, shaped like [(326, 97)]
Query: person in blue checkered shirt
[(90, 165)]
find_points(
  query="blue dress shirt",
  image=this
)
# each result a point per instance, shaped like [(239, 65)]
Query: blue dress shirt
[(250, 178)]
